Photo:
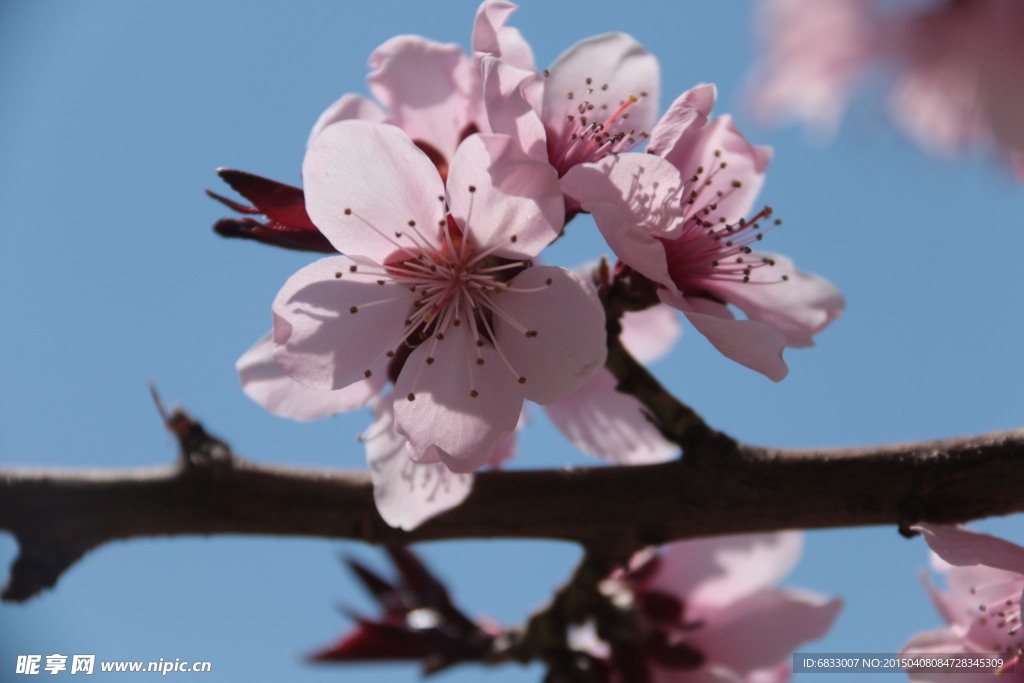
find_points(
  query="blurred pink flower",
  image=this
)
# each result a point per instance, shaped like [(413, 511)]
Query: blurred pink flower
[(985, 575), (421, 260), (956, 67), (677, 216), (713, 613)]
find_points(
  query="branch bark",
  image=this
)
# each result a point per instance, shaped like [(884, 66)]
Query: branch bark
[(721, 487)]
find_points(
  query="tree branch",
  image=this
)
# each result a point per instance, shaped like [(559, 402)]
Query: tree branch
[(721, 487)]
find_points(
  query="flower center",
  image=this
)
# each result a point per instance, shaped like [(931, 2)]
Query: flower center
[(711, 247), (1003, 615), (450, 284), (593, 127)]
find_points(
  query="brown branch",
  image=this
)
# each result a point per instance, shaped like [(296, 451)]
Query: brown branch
[(720, 487)]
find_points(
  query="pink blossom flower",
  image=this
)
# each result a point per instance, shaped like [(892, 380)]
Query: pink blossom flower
[(599, 97), (956, 76), (436, 288), (712, 611), (432, 90), (983, 606), (678, 217)]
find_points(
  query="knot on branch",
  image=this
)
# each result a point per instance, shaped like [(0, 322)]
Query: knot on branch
[(197, 448)]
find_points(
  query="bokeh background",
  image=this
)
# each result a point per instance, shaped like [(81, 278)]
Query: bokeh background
[(114, 115)]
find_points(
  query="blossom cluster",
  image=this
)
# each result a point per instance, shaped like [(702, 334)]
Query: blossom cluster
[(434, 202), (432, 205)]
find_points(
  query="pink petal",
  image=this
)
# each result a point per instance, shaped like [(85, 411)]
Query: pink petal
[(800, 307), (318, 340), (610, 425), (509, 105), (649, 334), (426, 88), (350, 106), (752, 343), (615, 59), (502, 199), (378, 176), (780, 673), (506, 448), (465, 429), (265, 382), (406, 493), (962, 547), (943, 641), (635, 200), (683, 121), (954, 609), (745, 164), (711, 573), (558, 339), (765, 628), (490, 35)]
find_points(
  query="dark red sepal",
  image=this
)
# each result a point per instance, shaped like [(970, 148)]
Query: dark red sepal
[(287, 225), (281, 203), (372, 641), (418, 621)]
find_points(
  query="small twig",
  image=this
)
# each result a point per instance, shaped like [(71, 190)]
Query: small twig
[(628, 291)]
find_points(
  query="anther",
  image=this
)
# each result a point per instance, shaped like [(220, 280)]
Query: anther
[(390, 354), (472, 188), (337, 273), (367, 373), (473, 394), (354, 309), (352, 269), (430, 360), (348, 212), (479, 361), (412, 223), (548, 282), (522, 380), (530, 334), (411, 397)]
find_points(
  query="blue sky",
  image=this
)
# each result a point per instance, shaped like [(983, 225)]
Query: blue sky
[(113, 118)]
